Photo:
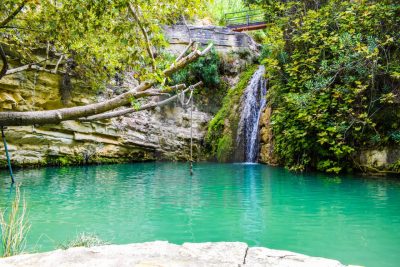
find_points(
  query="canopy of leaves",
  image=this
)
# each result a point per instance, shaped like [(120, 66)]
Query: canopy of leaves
[(99, 36), (334, 69)]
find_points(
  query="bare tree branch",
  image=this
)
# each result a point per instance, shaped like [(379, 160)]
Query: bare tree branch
[(58, 63), (187, 60), (33, 67), (133, 11), (185, 50), (117, 113), (13, 14), (58, 115)]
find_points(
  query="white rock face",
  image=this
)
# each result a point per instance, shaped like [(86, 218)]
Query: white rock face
[(259, 256), (162, 253)]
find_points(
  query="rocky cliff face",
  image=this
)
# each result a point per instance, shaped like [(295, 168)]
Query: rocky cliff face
[(161, 134), (266, 139)]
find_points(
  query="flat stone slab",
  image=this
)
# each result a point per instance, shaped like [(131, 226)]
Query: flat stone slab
[(259, 256), (162, 253)]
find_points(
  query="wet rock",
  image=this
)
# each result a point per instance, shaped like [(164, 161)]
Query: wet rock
[(267, 155)]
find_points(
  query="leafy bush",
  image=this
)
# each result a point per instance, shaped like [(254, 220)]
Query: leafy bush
[(332, 83), (205, 69), (208, 70)]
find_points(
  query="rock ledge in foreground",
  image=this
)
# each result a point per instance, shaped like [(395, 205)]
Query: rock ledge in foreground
[(162, 253)]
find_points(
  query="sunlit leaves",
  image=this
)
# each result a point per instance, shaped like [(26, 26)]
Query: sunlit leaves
[(99, 35), (331, 90)]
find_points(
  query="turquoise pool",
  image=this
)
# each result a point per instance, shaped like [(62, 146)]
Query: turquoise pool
[(355, 220)]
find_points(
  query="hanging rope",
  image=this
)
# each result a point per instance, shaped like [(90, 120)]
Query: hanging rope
[(7, 155), (186, 103), (191, 130)]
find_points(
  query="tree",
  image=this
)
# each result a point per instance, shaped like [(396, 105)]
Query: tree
[(92, 40)]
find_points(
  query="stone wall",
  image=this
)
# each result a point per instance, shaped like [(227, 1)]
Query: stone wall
[(224, 39)]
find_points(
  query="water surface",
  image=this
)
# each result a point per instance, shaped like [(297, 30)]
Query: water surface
[(352, 219)]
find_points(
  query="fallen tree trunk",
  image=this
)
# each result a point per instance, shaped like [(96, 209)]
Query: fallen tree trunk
[(122, 112), (58, 115)]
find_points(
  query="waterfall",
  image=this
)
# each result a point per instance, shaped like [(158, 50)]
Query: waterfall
[(252, 104)]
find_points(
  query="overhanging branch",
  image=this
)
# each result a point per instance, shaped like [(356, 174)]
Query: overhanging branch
[(13, 14), (33, 67), (122, 112), (58, 115)]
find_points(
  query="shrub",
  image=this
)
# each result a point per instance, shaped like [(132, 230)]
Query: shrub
[(84, 240), (332, 86), (208, 70)]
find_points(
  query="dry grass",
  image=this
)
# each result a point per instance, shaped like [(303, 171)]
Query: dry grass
[(14, 227)]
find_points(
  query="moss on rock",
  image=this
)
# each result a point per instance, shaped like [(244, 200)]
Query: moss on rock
[(223, 127)]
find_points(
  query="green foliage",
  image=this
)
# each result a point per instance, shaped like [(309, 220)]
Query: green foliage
[(205, 69), (98, 38), (135, 104), (84, 240), (223, 127), (217, 8), (208, 70), (395, 136), (333, 77), (395, 167)]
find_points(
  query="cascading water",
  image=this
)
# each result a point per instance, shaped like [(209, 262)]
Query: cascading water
[(252, 102)]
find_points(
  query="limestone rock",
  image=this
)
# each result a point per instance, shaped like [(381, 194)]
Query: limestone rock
[(379, 158), (266, 141), (218, 252), (259, 256), (162, 253), (147, 135)]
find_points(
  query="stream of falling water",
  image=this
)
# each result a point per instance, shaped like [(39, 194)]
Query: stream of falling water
[(253, 102)]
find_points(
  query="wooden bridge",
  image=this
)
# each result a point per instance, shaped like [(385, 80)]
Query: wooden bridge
[(247, 20)]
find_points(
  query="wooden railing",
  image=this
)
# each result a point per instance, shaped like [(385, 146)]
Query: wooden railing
[(251, 19)]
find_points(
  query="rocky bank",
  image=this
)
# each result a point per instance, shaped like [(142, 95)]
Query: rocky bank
[(162, 253)]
